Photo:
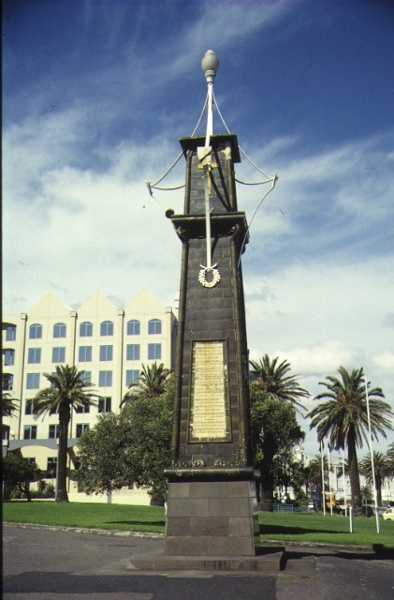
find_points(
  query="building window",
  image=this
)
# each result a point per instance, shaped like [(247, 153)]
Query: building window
[(58, 355), (133, 352), (83, 408), (154, 327), (133, 327), (104, 405), (81, 428), (5, 432), (87, 377), (30, 432), (10, 334), (51, 467), (154, 351), (8, 382), (132, 376), (33, 381), (34, 356), (59, 330), (86, 329), (54, 411), (9, 357), (30, 407), (107, 328), (35, 331), (105, 378), (106, 352), (85, 354), (53, 432)]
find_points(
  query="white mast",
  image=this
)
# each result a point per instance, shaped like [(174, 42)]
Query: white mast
[(209, 65)]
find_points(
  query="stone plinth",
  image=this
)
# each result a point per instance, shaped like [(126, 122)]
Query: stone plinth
[(211, 518)]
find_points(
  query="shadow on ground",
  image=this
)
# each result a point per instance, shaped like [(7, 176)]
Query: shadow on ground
[(378, 552), (286, 530)]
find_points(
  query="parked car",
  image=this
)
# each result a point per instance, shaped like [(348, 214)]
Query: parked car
[(388, 514)]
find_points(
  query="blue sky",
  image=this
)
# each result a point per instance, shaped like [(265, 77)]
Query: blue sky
[(96, 94)]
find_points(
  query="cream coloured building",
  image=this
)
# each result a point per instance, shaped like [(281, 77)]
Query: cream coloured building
[(109, 343)]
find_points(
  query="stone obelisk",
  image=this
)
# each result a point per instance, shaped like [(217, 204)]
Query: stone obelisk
[(211, 501)]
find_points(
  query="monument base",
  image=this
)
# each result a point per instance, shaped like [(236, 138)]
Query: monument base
[(269, 562), (211, 518)]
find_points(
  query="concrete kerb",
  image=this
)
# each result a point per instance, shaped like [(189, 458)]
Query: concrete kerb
[(292, 546), (108, 532)]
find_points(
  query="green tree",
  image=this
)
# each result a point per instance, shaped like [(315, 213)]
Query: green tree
[(150, 425), (274, 394), (102, 455), (18, 473), (8, 406), (343, 420), (275, 431), (68, 391), (131, 448), (381, 467), (153, 381), (274, 381), (315, 476)]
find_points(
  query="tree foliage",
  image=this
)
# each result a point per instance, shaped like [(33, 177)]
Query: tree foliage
[(131, 448), (153, 381), (342, 419), (68, 391), (274, 381), (8, 406), (18, 473), (275, 433), (381, 470), (274, 394)]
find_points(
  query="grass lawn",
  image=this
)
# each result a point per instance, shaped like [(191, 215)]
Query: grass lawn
[(281, 527), (86, 515), (315, 528)]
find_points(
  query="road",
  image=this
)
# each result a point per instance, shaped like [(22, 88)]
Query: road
[(41, 564)]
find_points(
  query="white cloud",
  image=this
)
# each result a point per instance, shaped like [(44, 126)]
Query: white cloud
[(385, 361)]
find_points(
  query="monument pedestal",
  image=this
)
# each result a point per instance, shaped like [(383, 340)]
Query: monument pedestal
[(211, 517)]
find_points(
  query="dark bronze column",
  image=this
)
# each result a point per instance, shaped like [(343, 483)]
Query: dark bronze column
[(211, 481)]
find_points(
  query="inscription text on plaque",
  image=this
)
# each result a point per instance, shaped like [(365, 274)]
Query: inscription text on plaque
[(209, 418)]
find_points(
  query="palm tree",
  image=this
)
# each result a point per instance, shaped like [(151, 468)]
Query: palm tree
[(381, 467), (68, 391), (343, 419), (314, 475), (274, 396), (272, 378), (152, 382), (8, 406), (390, 458)]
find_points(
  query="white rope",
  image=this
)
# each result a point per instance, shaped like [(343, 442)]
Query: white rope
[(201, 116), (240, 147), (274, 180), (151, 185), (165, 189), (253, 182)]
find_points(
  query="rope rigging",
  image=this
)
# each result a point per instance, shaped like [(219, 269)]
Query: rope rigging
[(269, 179)]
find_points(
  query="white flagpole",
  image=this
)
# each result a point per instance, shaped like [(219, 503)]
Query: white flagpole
[(372, 459), (322, 476)]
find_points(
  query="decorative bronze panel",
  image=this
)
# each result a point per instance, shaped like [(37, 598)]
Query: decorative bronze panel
[(209, 407)]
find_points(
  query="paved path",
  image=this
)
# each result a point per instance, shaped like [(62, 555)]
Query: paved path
[(41, 564)]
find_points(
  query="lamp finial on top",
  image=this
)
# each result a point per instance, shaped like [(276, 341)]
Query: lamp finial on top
[(210, 65)]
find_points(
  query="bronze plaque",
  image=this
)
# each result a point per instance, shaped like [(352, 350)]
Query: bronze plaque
[(209, 407)]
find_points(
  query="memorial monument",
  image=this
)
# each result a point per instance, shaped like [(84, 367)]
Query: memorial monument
[(211, 500), (211, 509)]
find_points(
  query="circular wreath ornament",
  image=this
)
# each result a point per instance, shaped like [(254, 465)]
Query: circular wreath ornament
[(212, 272)]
